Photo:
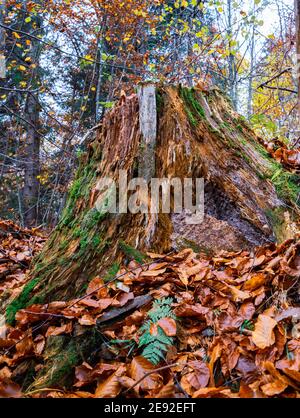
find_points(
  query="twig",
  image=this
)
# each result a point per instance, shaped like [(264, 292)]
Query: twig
[(160, 369), (279, 88), (274, 77)]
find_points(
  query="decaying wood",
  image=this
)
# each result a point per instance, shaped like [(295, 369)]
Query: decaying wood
[(196, 134)]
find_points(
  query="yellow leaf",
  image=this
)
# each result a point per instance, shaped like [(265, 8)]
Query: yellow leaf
[(16, 35), (22, 68)]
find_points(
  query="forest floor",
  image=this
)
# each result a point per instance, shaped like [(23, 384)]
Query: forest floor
[(178, 325)]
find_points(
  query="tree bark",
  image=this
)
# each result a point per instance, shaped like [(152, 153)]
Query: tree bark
[(297, 18), (32, 155), (32, 144), (2, 40)]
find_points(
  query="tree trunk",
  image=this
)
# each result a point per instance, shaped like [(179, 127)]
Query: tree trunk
[(2, 40), (297, 18), (32, 144), (32, 154)]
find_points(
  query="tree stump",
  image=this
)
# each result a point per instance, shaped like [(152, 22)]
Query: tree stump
[(165, 132)]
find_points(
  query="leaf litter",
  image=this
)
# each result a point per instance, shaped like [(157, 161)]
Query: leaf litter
[(233, 319)]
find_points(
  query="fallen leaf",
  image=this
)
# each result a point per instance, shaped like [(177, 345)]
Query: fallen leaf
[(263, 335), (138, 368), (168, 325)]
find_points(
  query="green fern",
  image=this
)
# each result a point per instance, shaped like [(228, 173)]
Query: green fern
[(155, 346)]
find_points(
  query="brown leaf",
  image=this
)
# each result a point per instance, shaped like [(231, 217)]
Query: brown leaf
[(200, 376), (239, 295), (211, 392), (263, 335), (274, 388), (168, 325), (111, 387), (167, 391), (256, 281), (87, 320), (139, 367), (195, 310), (294, 312), (9, 389), (64, 329), (247, 310), (153, 273)]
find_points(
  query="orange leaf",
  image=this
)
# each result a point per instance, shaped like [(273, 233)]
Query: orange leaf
[(111, 387), (168, 325), (274, 388)]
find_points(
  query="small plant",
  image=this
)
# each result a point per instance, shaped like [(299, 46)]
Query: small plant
[(247, 324), (156, 344)]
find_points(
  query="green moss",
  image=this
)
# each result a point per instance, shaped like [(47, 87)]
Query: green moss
[(20, 301), (81, 188), (131, 252), (63, 245), (64, 364), (112, 272), (240, 128), (96, 241), (159, 102), (76, 233), (277, 221), (92, 218), (193, 109), (226, 125), (62, 355)]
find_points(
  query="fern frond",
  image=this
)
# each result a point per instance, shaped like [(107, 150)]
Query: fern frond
[(155, 346)]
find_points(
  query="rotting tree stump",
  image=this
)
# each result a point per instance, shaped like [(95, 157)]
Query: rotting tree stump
[(165, 132)]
